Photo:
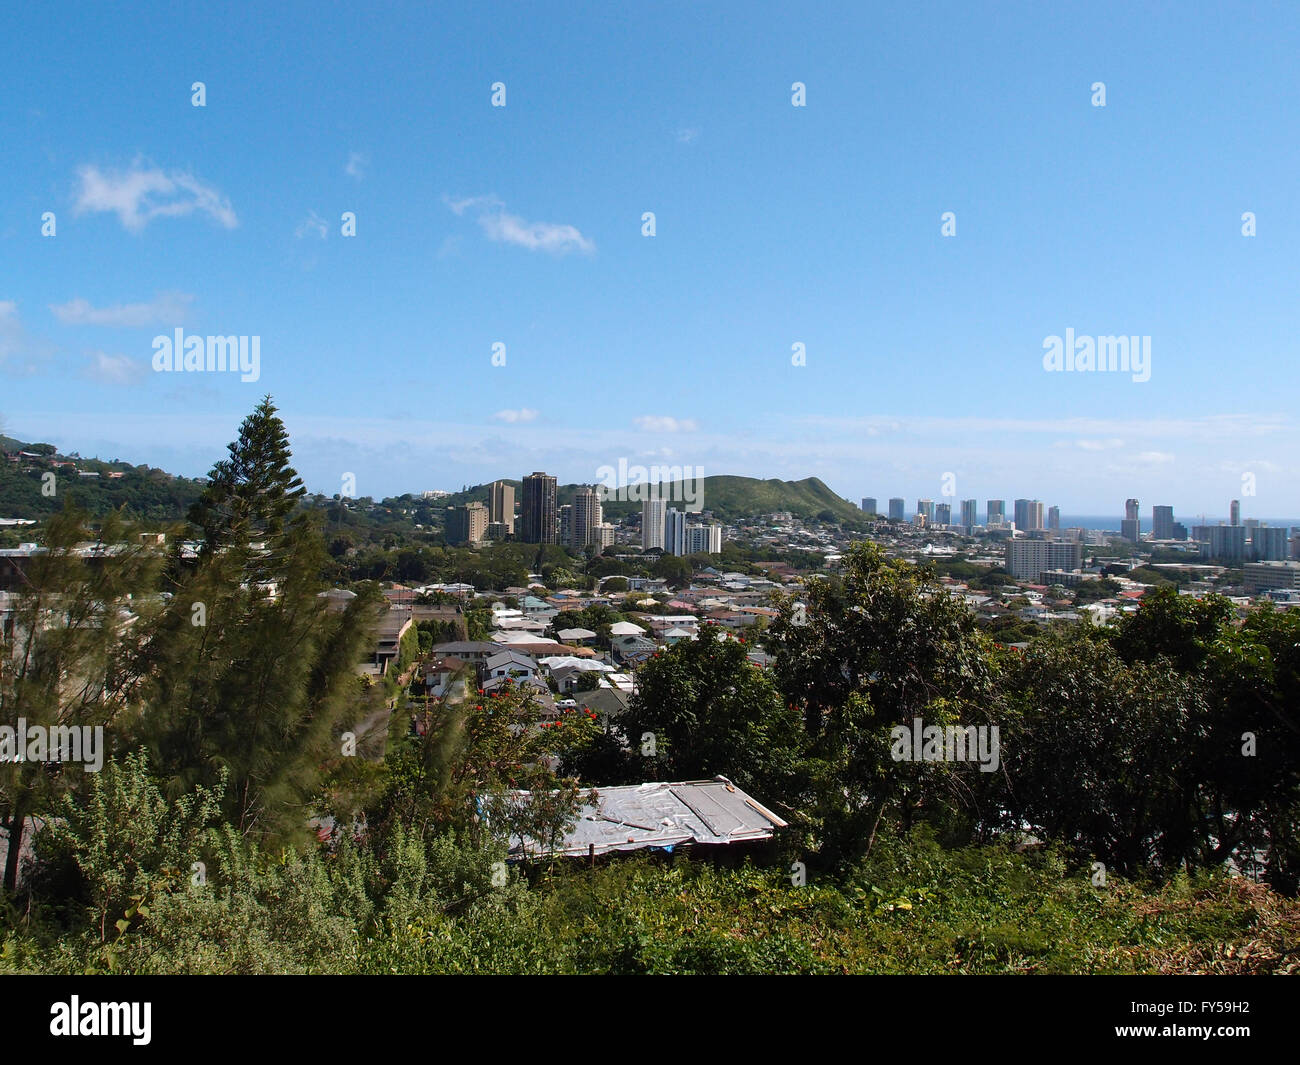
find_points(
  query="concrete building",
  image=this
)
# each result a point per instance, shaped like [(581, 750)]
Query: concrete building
[(1054, 518), (896, 506), (1131, 527), (1162, 523), (943, 514), (1224, 542), (997, 512), (706, 538), (1027, 560), (868, 505), (1029, 514), (675, 531), (652, 524), (537, 511), (1234, 512), (467, 524), (586, 517), (1268, 544), (501, 505), (1264, 576), (925, 507), (968, 516)]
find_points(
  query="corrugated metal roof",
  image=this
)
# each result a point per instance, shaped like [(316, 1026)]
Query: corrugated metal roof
[(661, 814)]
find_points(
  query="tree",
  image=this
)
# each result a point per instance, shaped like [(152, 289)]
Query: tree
[(250, 494), (246, 669), (711, 711), (878, 649), (76, 627)]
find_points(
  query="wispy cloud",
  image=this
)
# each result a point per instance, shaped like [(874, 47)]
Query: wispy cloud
[(141, 194), (313, 223), (166, 307), (114, 369), (20, 354), (687, 134), (356, 166), (499, 225), (664, 423), (513, 416)]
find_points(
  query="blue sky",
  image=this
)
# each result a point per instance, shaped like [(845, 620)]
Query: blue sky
[(775, 225)]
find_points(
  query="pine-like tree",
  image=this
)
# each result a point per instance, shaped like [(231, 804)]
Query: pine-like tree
[(250, 671)]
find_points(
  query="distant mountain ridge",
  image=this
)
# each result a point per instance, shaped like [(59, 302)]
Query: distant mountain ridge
[(155, 495), (729, 497)]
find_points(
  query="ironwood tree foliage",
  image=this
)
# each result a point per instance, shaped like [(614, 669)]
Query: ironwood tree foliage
[(67, 661), (250, 672)]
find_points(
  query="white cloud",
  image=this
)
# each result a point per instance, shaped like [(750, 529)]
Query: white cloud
[(499, 225), (1092, 445), (513, 416), (663, 423), (686, 135), (313, 223), (166, 307), (114, 369), (20, 354), (1154, 458), (141, 194), (356, 165)]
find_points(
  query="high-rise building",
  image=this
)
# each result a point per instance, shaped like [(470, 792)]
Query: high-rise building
[(703, 538), (925, 507), (604, 535), (943, 514), (674, 531), (1179, 531), (501, 505), (467, 524), (1224, 542), (997, 514), (868, 505), (1054, 518), (968, 518), (537, 512), (1162, 523), (1268, 544), (1131, 527), (1029, 514), (586, 516), (1234, 512), (652, 524), (896, 506), (1026, 560), (564, 521)]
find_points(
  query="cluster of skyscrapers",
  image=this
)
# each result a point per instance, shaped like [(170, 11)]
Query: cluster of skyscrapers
[(578, 524), (1028, 513), (667, 529)]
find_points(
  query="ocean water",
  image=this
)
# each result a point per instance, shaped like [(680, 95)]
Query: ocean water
[(1112, 522)]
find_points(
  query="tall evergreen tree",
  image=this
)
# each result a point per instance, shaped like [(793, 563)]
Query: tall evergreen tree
[(250, 671)]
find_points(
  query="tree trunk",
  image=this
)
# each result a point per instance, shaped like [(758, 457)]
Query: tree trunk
[(18, 817)]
